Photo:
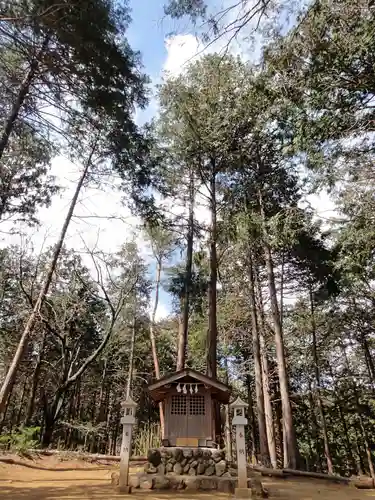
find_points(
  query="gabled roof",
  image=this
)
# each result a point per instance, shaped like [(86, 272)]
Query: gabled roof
[(219, 390)]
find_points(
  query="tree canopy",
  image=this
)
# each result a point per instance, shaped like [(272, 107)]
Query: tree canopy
[(227, 181)]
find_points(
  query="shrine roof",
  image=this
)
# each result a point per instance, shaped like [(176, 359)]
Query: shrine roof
[(160, 388)]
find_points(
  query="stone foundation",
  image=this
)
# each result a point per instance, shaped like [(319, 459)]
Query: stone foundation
[(188, 461), (191, 483)]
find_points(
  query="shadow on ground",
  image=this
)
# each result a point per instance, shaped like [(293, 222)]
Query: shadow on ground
[(94, 492)]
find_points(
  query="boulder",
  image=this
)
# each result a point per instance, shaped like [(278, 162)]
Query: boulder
[(154, 456), (192, 472), (210, 471), (191, 483), (183, 462), (172, 461), (169, 467), (220, 467), (186, 468), (176, 482), (226, 485), (161, 469), (134, 481), (208, 484), (197, 452), (187, 453), (226, 474), (194, 464), (233, 472), (207, 453), (218, 455), (150, 469), (161, 483), (146, 483), (201, 468), (177, 454), (177, 469)]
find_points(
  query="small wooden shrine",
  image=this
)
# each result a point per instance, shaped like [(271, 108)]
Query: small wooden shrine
[(189, 398)]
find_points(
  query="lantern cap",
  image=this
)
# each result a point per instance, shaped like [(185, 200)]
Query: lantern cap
[(238, 403), (129, 403)]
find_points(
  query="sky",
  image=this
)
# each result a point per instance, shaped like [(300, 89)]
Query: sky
[(101, 220), (165, 46)]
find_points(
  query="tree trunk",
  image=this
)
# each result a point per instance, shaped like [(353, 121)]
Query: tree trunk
[(22, 94), (228, 429), (211, 361), (267, 402), (212, 285), (253, 443), (12, 372), (152, 322), (18, 421), (72, 412), (51, 415), (131, 354), (7, 402), (360, 418), (366, 442), (265, 376), (327, 452), (181, 346), (368, 357), (360, 464), (263, 444), (153, 340), (279, 425), (348, 445), (314, 430), (48, 431), (289, 437), (282, 288), (101, 416), (183, 332), (34, 382)]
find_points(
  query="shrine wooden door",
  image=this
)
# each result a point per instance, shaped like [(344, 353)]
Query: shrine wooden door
[(188, 419)]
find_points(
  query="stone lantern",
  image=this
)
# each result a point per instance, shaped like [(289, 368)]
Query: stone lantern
[(128, 420), (239, 421)]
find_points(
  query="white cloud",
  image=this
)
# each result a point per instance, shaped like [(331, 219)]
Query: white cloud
[(163, 311), (100, 219), (181, 49)]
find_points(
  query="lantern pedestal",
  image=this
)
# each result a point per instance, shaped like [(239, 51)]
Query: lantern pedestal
[(128, 420), (239, 421)]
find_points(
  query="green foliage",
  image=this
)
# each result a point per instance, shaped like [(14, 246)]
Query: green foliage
[(255, 140), (21, 441), (180, 8)]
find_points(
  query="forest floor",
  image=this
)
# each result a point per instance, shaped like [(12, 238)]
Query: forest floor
[(75, 479)]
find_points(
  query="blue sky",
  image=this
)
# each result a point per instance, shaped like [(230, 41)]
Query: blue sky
[(148, 31), (147, 34), (101, 220)]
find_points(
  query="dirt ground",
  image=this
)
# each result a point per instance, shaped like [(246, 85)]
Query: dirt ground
[(76, 479)]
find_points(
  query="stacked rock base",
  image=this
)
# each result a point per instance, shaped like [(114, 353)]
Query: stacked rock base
[(188, 461), (191, 483)]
